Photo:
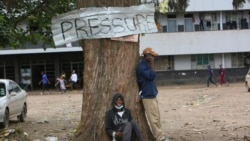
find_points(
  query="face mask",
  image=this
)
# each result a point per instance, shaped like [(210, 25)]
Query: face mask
[(118, 107)]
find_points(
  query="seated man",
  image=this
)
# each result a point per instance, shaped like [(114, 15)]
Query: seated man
[(119, 122)]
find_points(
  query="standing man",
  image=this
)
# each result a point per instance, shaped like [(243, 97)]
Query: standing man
[(73, 79), (148, 91), (44, 81), (210, 76)]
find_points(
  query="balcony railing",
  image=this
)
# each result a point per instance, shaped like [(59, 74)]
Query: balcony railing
[(207, 26)]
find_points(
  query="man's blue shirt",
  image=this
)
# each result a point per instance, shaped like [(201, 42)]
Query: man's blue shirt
[(145, 79)]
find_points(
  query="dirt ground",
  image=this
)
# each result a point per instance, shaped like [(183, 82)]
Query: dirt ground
[(188, 113), (51, 115)]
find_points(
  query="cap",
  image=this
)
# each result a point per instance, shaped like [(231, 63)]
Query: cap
[(149, 50)]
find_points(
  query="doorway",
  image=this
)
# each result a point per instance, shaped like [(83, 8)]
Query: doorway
[(2, 72), (36, 75)]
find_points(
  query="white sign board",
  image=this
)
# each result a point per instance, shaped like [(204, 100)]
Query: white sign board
[(104, 22), (130, 38)]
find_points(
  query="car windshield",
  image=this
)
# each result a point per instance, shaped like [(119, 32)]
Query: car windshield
[(2, 90), (13, 87)]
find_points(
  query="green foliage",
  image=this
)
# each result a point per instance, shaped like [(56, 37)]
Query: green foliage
[(172, 6), (177, 6), (163, 6), (238, 3), (23, 21)]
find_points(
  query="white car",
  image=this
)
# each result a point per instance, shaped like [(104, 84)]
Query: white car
[(13, 102), (247, 81)]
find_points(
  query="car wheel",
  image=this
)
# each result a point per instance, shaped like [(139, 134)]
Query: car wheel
[(23, 115), (5, 123)]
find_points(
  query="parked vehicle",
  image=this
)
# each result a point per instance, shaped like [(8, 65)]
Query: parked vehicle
[(247, 80), (13, 102)]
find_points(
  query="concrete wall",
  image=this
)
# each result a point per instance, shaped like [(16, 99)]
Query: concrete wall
[(182, 43), (197, 76), (182, 62)]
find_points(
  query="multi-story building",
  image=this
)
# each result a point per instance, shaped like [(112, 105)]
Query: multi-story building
[(209, 32)]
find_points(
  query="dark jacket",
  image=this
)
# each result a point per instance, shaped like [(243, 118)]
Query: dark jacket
[(210, 72), (145, 79), (113, 121)]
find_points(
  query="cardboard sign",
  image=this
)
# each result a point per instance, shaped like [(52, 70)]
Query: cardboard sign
[(105, 22)]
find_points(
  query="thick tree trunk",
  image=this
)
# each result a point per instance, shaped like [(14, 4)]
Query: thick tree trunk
[(109, 68)]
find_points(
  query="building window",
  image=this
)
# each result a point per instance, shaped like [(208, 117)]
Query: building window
[(172, 26), (189, 25), (164, 63), (201, 61), (189, 22), (233, 19), (10, 72), (208, 21), (238, 59)]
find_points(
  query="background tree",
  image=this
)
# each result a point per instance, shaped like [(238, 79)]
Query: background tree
[(177, 6), (23, 21), (238, 3)]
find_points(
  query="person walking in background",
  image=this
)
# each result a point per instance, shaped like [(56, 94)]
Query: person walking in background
[(119, 123), (146, 75), (222, 73), (73, 79), (63, 75), (61, 83), (45, 82), (210, 76)]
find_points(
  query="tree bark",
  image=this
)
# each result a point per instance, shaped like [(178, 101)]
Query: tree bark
[(109, 68)]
